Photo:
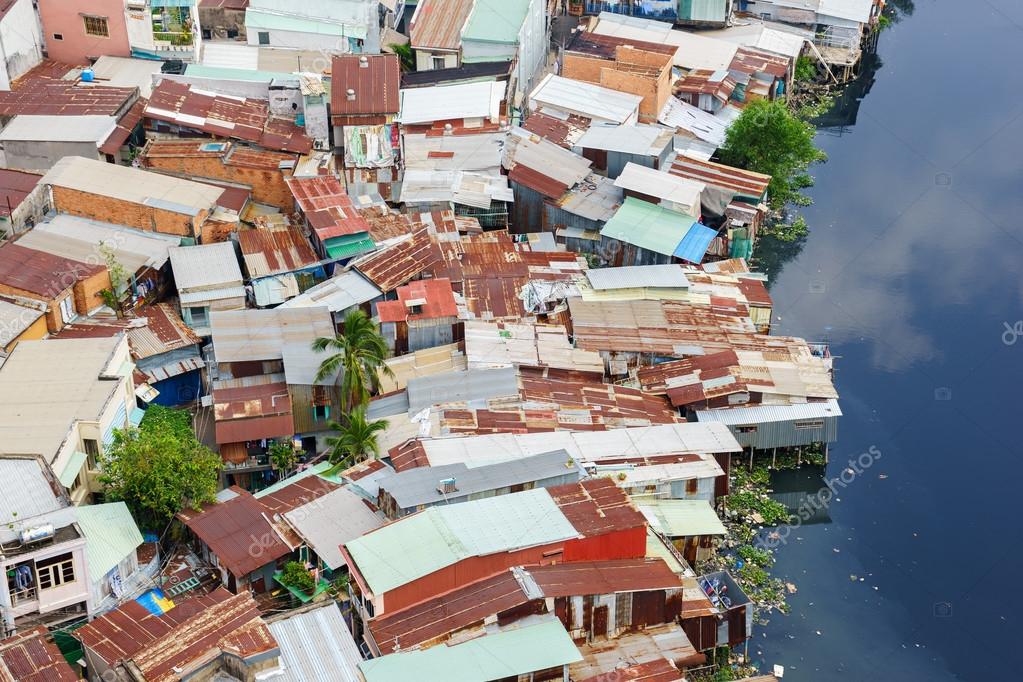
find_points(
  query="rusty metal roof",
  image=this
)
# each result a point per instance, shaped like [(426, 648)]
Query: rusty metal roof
[(269, 252), (41, 273), (433, 297), (434, 620), (327, 206), (562, 132), (706, 82), (124, 128), (438, 24), (375, 80), (751, 60), (604, 577), (597, 506), (396, 264), (605, 46), (252, 412), (187, 634), (30, 656), (15, 185), (297, 493), (238, 532), (741, 182), (657, 670), (232, 117), (43, 91)]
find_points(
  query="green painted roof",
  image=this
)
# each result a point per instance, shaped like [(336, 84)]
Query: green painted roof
[(420, 544), (496, 21), (648, 226), (225, 73), (349, 245), (501, 655), (255, 19), (71, 470), (110, 535), (681, 518)]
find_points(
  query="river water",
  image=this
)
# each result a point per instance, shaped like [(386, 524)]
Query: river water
[(913, 270)]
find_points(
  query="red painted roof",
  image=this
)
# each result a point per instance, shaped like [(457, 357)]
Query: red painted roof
[(242, 119), (30, 656), (375, 80), (435, 296), (238, 532), (327, 206), (14, 187), (41, 273)]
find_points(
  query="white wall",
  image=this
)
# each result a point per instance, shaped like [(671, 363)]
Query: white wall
[(20, 42), (139, 25), (533, 44)]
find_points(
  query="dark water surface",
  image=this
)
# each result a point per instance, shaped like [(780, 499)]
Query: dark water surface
[(913, 270)]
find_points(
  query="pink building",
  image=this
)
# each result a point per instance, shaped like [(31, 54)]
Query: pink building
[(81, 31)]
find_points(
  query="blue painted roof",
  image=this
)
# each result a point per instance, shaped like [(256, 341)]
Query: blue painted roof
[(694, 245)]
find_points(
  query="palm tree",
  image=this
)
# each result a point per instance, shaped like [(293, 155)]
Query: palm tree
[(358, 359), (357, 439)]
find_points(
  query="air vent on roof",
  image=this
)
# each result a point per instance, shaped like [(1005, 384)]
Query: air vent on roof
[(363, 62), (351, 94), (447, 486)]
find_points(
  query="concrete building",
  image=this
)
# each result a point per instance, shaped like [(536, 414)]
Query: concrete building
[(21, 40)]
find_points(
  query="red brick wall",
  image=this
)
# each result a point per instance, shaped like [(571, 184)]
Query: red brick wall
[(268, 186), (119, 212)]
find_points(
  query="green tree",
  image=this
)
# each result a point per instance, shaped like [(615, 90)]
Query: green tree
[(296, 575), (283, 456), (160, 467), (357, 439), (768, 138), (404, 52), (357, 358)]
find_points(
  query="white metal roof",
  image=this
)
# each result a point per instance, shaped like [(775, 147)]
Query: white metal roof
[(454, 152), (584, 99), (851, 10), (649, 140), (780, 39), (27, 490), (446, 102), (695, 51), (541, 155), (132, 185), (769, 413), (704, 125), (15, 318), (207, 266), (125, 72), (330, 521), (77, 238), (584, 446), (35, 128), (670, 189), (339, 293), (316, 645), (230, 56), (638, 276)]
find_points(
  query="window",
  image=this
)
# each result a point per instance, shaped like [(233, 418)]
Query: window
[(67, 309), (438, 62), (58, 36), (55, 571), (92, 450), (96, 26), (321, 412), (746, 429), (197, 316), (264, 37)]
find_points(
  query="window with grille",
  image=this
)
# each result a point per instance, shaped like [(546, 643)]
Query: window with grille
[(55, 571), (96, 26)]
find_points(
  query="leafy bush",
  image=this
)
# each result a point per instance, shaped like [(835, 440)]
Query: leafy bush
[(297, 576)]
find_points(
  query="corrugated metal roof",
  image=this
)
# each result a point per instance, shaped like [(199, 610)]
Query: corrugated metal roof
[(375, 80), (640, 139), (469, 386), (551, 169), (132, 185), (595, 198), (268, 252), (695, 243), (419, 486), (15, 185), (110, 536), (31, 656), (351, 25), (438, 24), (659, 276), (28, 491), (648, 226), (779, 38), (316, 645), (584, 99), (206, 266), (331, 521), (681, 518), (695, 50), (41, 273), (39, 128), (339, 293), (434, 298), (496, 21), (451, 102), (77, 237), (673, 191), (504, 654), (441, 536), (577, 578), (851, 10), (760, 414), (503, 344)]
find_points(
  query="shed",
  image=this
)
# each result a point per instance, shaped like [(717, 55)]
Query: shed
[(641, 233), (611, 148), (779, 426), (659, 187), (562, 96), (208, 279)]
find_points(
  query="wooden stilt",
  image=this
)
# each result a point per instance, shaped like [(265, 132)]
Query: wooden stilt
[(751, 458), (774, 458), (799, 456), (825, 453)]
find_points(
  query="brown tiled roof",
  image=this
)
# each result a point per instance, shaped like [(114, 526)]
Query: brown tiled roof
[(30, 656), (238, 532), (242, 119), (438, 23), (163, 645), (375, 79), (39, 272)]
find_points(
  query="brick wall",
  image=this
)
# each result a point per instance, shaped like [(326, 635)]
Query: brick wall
[(86, 291), (268, 186), (637, 85), (580, 68), (120, 212)]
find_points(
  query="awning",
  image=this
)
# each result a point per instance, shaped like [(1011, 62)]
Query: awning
[(137, 413), (694, 245), (71, 470), (146, 393)]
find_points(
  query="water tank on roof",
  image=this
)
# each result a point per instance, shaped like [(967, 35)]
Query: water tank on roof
[(88, 76), (37, 533)]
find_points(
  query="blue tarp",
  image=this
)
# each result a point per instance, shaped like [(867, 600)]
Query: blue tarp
[(694, 245)]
